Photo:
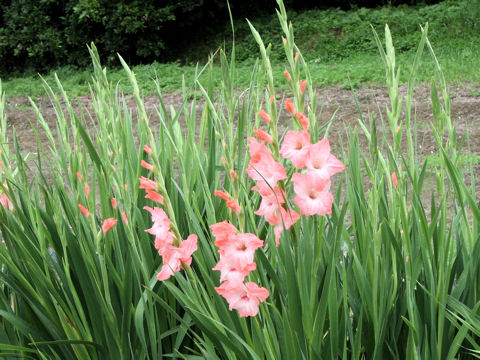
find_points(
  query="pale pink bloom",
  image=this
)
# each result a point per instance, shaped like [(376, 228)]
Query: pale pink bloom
[(297, 55), (147, 184), (303, 120), (243, 297), (108, 224), (224, 161), (232, 204), (320, 162), (394, 179), (263, 135), (161, 222), (114, 168), (124, 217), (240, 248), (271, 100), (295, 146), (222, 231), (146, 165), (163, 243), (5, 201), (303, 84), (84, 210), (289, 106), (175, 257), (231, 271), (272, 200), (87, 190), (153, 195), (79, 175), (287, 75), (286, 221), (313, 196), (264, 115), (221, 194), (147, 149), (262, 166), (113, 201), (233, 174)]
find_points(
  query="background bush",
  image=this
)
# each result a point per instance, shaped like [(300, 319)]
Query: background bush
[(38, 35)]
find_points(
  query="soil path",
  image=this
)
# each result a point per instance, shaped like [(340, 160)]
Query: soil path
[(465, 113), (465, 110)]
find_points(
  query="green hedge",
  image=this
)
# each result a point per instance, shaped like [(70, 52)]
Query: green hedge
[(42, 34)]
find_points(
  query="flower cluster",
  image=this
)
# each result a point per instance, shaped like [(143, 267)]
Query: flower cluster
[(173, 257), (311, 187), (236, 262)]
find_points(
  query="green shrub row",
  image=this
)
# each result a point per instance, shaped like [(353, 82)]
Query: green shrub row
[(45, 34)]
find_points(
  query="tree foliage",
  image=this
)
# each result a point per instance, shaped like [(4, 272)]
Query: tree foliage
[(47, 33)]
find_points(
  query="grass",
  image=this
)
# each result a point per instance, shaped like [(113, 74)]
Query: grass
[(337, 44)]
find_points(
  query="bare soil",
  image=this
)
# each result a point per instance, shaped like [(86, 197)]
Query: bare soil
[(465, 110)]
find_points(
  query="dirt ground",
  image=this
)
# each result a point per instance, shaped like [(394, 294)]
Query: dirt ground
[(465, 109)]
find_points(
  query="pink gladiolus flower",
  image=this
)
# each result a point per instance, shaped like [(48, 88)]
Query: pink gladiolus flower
[(161, 229), (153, 195), (161, 222), (146, 165), (394, 179), (113, 201), (303, 84), (147, 149), (287, 75), (262, 166), (233, 174), (289, 106), (313, 196), (320, 162), (147, 184), (79, 176), (221, 194), (295, 147), (303, 120), (230, 271), (224, 161), (263, 135), (264, 115), (232, 204), (84, 210), (271, 100), (272, 200), (239, 248), (174, 257), (222, 231), (87, 190), (108, 224), (243, 297), (297, 55)]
